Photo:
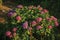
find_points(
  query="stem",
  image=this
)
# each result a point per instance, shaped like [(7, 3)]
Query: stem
[(30, 32), (53, 38), (49, 37), (30, 35), (42, 38)]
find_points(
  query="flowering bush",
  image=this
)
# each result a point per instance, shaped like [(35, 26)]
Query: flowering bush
[(28, 23)]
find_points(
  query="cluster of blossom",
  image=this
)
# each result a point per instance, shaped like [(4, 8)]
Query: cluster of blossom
[(37, 22)]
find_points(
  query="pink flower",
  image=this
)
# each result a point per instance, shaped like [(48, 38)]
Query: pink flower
[(53, 18), (14, 29), (45, 10), (39, 19), (25, 25), (56, 23), (8, 33), (50, 27), (33, 23), (20, 6), (39, 27), (49, 19), (18, 18), (30, 28)]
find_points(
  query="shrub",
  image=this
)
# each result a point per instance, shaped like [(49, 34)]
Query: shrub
[(28, 23)]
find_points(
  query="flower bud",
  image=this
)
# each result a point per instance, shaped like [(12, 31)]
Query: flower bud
[(39, 27), (53, 18), (39, 19), (14, 29), (19, 6), (18, 18), (50, 27), (56, 23), (45, 10), (8, 33), (25, 25), (29, 28), (33, 23)]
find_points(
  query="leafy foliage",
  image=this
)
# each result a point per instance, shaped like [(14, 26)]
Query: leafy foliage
[(24, 22)]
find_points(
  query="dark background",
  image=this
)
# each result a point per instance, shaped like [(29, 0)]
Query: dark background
[(52, 5)]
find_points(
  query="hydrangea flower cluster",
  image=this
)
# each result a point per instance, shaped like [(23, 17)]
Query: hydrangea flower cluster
[(31, 20)]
